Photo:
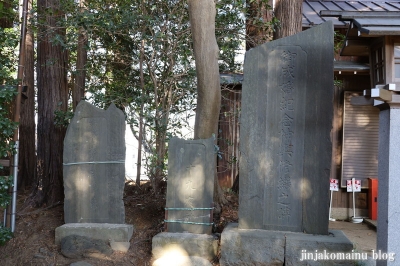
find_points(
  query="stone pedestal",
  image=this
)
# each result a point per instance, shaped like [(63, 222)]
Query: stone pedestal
[(241, 247), (117, 235), (185, 244), (188, 214), (94, 180)]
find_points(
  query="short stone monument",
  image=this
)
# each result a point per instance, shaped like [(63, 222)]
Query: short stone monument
[(190, 187), (286, 122), (94, 176)]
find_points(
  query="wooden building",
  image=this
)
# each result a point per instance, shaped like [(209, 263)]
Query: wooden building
[(368, 55)]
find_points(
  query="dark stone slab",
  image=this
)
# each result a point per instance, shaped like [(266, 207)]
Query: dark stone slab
[(94, 169), (75, 247), (286, 119), (191, 166)]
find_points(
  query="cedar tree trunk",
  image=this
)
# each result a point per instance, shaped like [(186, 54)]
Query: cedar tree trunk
[(27, 154), (254, 34), (289, 13), (52, 96)]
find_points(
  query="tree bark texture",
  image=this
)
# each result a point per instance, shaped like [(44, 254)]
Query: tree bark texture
[(202, 20), (255, 35), (289, 13), (52, 96), (78, 91), (27, 154), (6, 21)]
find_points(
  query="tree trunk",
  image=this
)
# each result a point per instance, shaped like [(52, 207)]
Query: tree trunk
[(78, 91), (6, 21), (289, 13), (255, 34), (52, 96), (27, 154), (202, 21), (140, 139)]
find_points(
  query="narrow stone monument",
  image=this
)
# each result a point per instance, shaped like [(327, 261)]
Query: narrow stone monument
[(286, 122), (387, 99), (190, 186), (188, 214), (94, 175)]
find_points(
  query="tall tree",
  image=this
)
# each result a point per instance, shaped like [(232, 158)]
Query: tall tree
[(140, 57), (144, 67), (289, 13), (27, 154), (52, 96), (202, 22)]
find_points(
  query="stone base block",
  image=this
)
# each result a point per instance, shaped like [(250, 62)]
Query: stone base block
[(181, 261), (264, 247), (114, 233), (184, 244)]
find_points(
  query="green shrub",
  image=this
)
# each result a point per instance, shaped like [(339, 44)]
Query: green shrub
[(5, 234)]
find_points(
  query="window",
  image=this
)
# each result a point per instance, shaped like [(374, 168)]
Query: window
[(378, 64), (397, 60)]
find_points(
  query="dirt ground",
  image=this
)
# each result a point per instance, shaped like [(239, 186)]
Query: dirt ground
[(33, 242)]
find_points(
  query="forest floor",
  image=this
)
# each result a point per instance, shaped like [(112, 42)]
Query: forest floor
[(33, 242)]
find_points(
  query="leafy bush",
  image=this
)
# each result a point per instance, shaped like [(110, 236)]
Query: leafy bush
[(5, 183), (5, 234)]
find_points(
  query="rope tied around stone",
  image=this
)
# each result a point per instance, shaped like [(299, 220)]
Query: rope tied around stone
[(99, 162)]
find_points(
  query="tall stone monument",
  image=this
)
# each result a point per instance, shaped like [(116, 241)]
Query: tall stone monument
[(94, 166), (286, 122), (94, 176), (190, 187)]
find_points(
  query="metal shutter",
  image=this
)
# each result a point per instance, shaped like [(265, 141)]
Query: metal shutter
[(360, 141)]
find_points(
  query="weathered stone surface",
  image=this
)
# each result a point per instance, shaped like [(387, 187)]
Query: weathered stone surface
[(75, 246), (184, 244), (80, 263), (286, 119), (389, 182), (106, 232), (181, 261), (120, 246), (191, 166), (336, 243), (94, 170), (241, 247)]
